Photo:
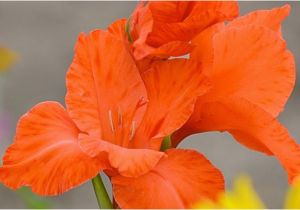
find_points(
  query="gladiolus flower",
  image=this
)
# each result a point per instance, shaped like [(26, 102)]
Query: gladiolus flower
[(252, 74), (124, 96), (115, 121)]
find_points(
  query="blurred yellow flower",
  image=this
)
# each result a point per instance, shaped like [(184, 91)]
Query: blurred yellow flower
[(243, 196), (7, 57), (292, 200)]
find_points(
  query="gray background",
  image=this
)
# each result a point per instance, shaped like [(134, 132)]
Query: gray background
[(44, 33)]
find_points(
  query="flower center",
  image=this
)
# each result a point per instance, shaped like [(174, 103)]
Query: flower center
[(121, 130)]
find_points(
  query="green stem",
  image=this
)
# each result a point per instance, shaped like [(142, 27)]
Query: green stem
[(127, 30), (166, 143), (103, 199)]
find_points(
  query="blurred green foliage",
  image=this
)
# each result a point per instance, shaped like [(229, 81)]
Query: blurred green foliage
[(33, 201)]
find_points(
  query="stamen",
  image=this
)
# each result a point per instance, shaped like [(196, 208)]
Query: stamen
[(111, 122), (120, 117), (133, 128)]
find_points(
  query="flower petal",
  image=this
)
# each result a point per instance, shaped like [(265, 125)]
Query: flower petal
[(128, 162), (141, 23), (254, 63), (193, 18), (170, 11), (203, 52), (109, 99), (174, 48), (158, 23), (117, 28), (179, 180), (45, 154), (171, 97), (271, 19), (251, 126)]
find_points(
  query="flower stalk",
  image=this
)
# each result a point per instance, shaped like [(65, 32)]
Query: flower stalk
[(102, 196), (166, 143)]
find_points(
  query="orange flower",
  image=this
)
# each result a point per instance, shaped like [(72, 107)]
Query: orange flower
[(115, 121), (164, 29), (252, 74)]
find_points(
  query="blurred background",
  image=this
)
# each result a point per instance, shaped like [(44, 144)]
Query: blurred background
[(43, 35)]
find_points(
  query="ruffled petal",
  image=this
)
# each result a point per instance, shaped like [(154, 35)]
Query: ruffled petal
[(179, 180), (172, 88), (183, 20), (128, 162), (271, 19), (105, 93), (45, 154), (170, 11), (117, 28), (252, 62), (225, 10), (158, 23), (251, 126), (141, 23)]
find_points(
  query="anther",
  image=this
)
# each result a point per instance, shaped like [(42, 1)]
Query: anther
[(111, 122), (133, 128)]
